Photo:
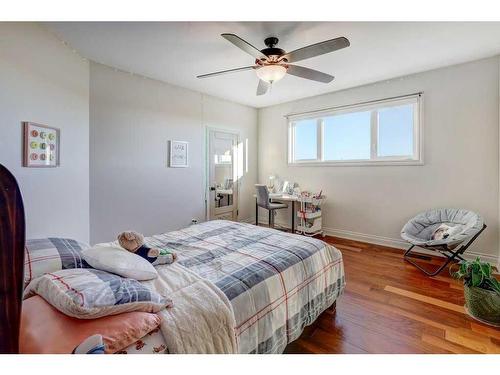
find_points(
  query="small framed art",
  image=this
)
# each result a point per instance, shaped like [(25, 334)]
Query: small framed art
[(40, 146), (178, 152)]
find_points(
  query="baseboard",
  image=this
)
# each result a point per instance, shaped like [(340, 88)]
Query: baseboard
[(400, 244), (248, 220), (370, 238), (277, 223)]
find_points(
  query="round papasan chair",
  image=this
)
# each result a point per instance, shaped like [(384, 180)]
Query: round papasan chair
[(465, 225)]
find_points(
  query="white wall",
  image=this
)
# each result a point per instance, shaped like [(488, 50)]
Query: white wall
[(43, 81), (461, 145), (131, 120)]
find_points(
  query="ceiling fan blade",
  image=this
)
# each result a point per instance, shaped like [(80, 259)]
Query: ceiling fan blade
[(307, 73), (262, 87), (235, 70), (245, 46), (317, 49)]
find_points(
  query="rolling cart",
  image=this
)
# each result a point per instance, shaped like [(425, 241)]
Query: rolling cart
[(309, 214)]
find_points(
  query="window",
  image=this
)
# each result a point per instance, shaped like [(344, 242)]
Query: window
[(307, 132), (381, 132), (347, 136)]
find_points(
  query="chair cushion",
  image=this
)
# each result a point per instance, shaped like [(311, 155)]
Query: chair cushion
[(418, 231), (275, 206)]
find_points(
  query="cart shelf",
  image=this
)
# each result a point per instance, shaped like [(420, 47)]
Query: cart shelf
[(309, 215)]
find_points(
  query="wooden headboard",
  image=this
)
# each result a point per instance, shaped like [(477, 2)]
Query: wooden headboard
[(12, 240)]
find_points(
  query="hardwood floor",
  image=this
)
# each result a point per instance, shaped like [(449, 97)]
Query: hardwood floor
[(389, 306)]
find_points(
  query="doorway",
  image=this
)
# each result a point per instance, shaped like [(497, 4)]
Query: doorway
[(222, 179)]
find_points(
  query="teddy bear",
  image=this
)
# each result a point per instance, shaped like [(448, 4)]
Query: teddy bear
[(134, 242)]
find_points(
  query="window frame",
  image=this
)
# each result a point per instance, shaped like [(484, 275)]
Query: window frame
[(372, 106)]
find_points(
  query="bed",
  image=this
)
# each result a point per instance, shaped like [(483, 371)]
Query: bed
[(236, 287)]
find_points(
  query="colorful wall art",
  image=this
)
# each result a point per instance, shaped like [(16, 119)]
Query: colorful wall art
[(41, 146)]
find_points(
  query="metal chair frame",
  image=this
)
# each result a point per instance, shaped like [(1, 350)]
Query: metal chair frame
[(443, 249)]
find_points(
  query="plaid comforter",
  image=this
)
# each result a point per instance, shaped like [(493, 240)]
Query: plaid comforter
[(277, 282)]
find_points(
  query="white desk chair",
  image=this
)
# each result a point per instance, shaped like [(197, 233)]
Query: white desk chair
[(264, 201)]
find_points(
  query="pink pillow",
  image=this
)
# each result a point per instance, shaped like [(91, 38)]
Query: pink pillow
[(45, 330)]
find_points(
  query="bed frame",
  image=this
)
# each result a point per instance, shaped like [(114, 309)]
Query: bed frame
[(12, 239)]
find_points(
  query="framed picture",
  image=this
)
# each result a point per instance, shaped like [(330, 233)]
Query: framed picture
[(178, 154), (40, 146)]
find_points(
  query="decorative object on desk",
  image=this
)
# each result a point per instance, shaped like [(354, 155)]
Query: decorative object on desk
[(288, 187), (178, 154), (40, 146), (481, 290), (278, 185), (270, 185), (284, 187)]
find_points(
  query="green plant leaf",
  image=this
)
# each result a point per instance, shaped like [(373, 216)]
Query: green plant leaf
[(486, 269), (477, 279), (477, 274), (495, 284)]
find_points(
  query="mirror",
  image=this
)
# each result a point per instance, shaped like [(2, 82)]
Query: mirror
[(223, 176)]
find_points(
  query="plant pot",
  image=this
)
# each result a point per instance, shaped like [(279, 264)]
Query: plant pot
[(483, 305)]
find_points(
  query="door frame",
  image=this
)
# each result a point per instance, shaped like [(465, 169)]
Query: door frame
[(206, 182)]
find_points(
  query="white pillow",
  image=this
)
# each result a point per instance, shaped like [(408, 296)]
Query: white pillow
[(120, 262)]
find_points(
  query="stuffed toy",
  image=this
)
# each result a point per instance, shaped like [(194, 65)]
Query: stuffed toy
[(134, 242), (444, 231)]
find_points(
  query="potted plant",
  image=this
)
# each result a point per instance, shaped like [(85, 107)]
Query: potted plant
[(481, 290)]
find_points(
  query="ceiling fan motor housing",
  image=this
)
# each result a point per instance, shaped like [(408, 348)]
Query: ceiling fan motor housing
[(271, 41), (272, 50)]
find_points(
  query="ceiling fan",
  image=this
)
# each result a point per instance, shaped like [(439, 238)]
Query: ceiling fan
[(272, 63)]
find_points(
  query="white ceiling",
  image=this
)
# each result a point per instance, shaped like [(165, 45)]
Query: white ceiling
[(176, 52)]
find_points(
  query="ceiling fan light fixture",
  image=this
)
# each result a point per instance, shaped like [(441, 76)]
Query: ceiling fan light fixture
[(271, 73)]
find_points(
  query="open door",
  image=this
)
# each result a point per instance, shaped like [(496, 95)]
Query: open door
[(222, 179)]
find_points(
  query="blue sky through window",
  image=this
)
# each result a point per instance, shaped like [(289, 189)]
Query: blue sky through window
[(395, 131), (347, 136), (306, 141)]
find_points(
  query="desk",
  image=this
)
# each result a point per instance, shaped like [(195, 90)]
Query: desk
[(282, 198)]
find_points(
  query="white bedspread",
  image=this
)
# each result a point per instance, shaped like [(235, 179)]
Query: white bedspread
[(202, 319)]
